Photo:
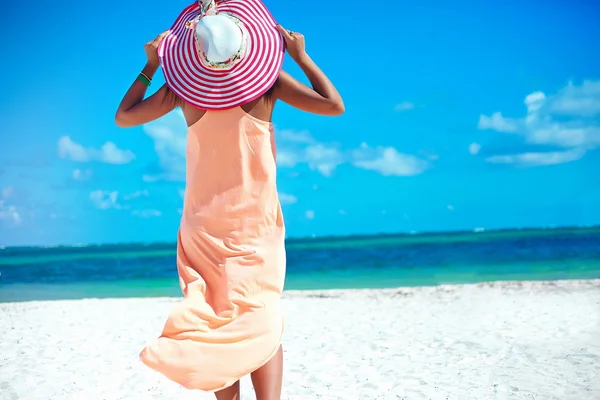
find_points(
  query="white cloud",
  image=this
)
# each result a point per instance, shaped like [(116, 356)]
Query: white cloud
[(474, 148), (81, 175), (295, 136), (583, 101), (563, 135), (326, 157), (151, 178), (109, 152), (147, 213), (300, 147), (9, 213), (404, 106), (286, 158), (69, 149), (310, 214), (105, 199), (7, 192), (388, 161), (539, 159), (498, 123), (137, 194), (169, 135), (534, 101), (567, 119), (285, 198), (323, 158), (294, 147)]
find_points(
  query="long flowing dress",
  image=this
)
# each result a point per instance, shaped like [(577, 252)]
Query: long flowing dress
[(230, 257)]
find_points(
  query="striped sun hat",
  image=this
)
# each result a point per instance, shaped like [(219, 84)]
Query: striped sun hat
[(222, 55)]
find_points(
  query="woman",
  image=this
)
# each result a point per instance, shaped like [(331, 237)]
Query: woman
[(231, 255)]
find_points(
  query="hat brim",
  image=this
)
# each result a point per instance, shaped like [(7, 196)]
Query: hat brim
[(219, 89)]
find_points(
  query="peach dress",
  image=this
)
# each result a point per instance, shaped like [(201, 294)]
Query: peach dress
[(230, 257)]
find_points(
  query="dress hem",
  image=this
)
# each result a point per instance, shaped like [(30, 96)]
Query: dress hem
[(246, 372), (251, 370)]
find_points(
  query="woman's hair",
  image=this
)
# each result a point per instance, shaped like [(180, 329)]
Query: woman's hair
[(175, 101)]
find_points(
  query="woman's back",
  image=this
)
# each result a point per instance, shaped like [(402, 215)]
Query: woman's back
[(230, 258), (261, 108), (231, 168)]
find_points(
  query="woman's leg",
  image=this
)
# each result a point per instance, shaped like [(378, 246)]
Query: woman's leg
[(267, 379), (230, 393)]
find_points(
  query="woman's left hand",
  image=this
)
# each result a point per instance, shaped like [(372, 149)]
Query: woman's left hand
[(151, 48)]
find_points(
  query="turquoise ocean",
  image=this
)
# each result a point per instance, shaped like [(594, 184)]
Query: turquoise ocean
[(379, 261)]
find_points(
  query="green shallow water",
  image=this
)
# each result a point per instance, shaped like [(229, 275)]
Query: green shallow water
[(382, 261)]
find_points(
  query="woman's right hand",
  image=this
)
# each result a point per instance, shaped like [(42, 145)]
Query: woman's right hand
[(294, 42), (151, 48)]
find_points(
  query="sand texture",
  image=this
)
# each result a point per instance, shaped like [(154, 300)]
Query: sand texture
[(518, 340)]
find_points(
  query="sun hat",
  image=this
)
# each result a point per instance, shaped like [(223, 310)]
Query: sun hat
[(223, 54)]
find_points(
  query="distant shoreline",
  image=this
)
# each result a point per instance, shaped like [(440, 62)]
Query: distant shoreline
[(330, 238), (352, 262), (400, 291)]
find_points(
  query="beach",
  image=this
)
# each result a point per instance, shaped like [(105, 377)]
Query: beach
[(504, 340)]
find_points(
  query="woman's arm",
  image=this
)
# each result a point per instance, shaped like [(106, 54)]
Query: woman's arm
[(323, 98), (134, 110)]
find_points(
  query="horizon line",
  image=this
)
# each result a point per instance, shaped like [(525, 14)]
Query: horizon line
[(332, 237)]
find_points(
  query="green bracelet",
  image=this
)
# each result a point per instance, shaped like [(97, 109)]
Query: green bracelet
[(142, 78)]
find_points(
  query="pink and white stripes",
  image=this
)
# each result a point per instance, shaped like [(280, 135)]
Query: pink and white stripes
[(219, 89)]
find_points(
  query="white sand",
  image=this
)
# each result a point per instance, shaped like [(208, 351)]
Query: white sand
[(492, 341)]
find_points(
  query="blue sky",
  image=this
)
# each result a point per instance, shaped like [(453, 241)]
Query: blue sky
[(458, 116)]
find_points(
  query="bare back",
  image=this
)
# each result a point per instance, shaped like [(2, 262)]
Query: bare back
[(261, 108)]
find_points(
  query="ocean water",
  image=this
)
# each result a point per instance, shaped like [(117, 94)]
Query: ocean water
[(382, 261)]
